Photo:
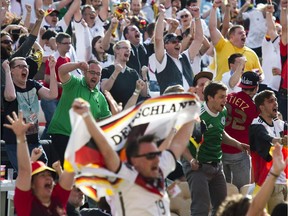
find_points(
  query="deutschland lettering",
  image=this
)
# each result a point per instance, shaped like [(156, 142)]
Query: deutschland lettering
[(148, 112)]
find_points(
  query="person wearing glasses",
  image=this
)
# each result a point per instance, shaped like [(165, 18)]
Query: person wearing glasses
[(63, 44), (143, 190), (23, 51), (172, 66), (21, 93), (74, 87), (120, 79)]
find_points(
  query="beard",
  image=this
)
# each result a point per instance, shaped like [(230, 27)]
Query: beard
[(5, 54)]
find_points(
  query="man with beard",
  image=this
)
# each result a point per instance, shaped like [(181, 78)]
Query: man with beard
[(74, 87), (35, 191), (120, 79), (172, 66), (265, 131), (21, 93), (235, 44), (23, 51)]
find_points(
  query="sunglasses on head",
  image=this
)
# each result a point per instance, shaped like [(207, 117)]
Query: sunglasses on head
[(184, 15), (150, 155), (7, 42)]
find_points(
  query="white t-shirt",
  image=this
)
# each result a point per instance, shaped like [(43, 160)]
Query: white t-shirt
[(132, 199), (257, 28), (271, 58)]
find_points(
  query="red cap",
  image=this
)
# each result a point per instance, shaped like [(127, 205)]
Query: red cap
[(39, 166)]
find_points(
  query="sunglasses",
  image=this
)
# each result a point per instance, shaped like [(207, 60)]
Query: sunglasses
[(150, 155), (21, 66), (7, 42), (184, 16)]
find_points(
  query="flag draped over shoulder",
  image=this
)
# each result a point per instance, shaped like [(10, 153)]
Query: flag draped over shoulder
[(153, 116)]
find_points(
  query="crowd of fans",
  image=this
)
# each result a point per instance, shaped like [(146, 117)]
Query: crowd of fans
[(111, 53)]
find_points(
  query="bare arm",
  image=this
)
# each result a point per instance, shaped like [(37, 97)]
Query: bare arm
[(103, 13), (197, 42), (159, 29), (226, 19), (168, 140), (260, 200), (205, 46), (108, 34), (52, 92), (65, 69), (62, 4), (283, 21), (111, 158), (134, 97), (181, 139), (19, 127), (28, 16), (236, 76), (72, 9), (9, 90), (242, 10), (233, 142), (214, 32), (107, 84), (271, 29)]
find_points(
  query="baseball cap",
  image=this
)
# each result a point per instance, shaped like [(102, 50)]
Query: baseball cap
[(201, 74), (249, 79), (39, 166), (50, 10), (172, 37)]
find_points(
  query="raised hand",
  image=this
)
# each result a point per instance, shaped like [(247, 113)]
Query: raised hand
[(6, 66), (36, 154), (80, 106), (83, 66), (52, 62), (57, 166), (18, 125), (278, 162)]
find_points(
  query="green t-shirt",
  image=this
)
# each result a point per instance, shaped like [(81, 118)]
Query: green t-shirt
[(75, 88), (210, 149)]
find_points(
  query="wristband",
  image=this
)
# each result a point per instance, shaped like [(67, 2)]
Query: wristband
[(112, 77), (273, 174), (197, 18), (136, 92), (21, 141)]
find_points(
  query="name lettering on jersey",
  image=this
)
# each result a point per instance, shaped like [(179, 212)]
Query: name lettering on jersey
[(238, 102), (151, 111)]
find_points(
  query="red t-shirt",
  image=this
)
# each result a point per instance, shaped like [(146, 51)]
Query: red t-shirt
[(241, 111), (60, 61), (284, 60), (26, 204)]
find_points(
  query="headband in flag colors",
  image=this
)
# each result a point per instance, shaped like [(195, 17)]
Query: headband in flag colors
[(153, 116)]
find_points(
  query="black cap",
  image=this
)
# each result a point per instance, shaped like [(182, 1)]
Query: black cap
[(201, 74), (249, 79), (172, 37)]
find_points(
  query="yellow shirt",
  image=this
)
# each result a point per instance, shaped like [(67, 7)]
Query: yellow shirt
[(224, 48)]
